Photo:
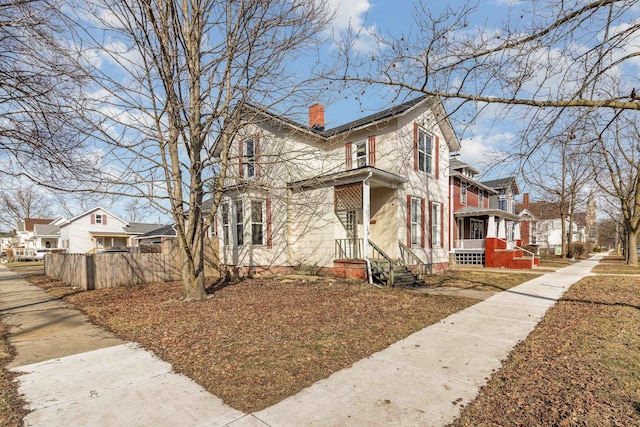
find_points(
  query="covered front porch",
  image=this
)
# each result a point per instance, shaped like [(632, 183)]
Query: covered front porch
[(366, 211), (489, 237)]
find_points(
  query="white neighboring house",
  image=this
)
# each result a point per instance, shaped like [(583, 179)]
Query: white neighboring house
[(548, 233), (98, 229), (46, 236), (25, 237)]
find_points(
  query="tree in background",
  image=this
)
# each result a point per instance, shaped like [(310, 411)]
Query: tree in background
[(170, 81), (22, 202), (38, 136)]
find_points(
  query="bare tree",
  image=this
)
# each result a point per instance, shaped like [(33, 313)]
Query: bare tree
[(22, 202), (616, 159), (560, 174), (546, 54), (37, 136), (171, 100)]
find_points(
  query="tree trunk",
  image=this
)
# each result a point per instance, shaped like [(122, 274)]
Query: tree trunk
[(193, 267), (632, 245)]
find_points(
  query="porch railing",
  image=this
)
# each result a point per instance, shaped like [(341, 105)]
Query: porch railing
[(382, 264), (412, 261), (348, 249), (470, 244)]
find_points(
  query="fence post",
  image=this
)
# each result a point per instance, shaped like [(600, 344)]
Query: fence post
[(90, 268)]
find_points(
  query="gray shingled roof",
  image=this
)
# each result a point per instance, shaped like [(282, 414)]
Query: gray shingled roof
[(500, 182), (166, 230), (140, 228), (46, 230)]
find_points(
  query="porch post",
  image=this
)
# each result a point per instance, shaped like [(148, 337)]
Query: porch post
[(491, 227), (516, 231), (502, 229), (366, 214)]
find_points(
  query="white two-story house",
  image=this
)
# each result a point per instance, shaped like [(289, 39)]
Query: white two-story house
[(365, 199)]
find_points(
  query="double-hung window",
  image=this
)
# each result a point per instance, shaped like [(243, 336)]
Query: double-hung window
[(425, 151), (224, 209), (436, 226), (361, 154), (502, 203), (239, 223), (415, 222), (249, 158), (257, 222), (463, 193), (480, 198)]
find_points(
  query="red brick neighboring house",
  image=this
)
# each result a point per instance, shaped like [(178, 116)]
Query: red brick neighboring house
[(485, 227)]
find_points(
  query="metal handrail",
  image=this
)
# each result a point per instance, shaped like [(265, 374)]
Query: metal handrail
[(533, 256), (410, 259)]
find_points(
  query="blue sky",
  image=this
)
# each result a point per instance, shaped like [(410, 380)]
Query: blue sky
[(485, 136)]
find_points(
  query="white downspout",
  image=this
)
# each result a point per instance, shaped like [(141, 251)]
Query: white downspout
[(366, 212)]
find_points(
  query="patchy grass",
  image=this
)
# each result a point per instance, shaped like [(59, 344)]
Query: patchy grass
[(479, 279), (614, 264), (11, 404), (256, 342), (580, 366)]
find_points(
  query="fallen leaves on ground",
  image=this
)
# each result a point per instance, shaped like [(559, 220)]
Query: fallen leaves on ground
[(261, 340), (11, 404), (479, 279), (580, 366)]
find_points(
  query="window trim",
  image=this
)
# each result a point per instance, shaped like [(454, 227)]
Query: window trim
[(427, 156), (464, 189), (226, 224), (98, 219), (416, 240), (239, 222), (262, 223), (249, 162), (436, 225)]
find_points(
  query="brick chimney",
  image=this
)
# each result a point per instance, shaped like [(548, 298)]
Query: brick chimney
[(525, 200), (316, 117)]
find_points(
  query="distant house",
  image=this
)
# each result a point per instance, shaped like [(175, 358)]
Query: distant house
[(25, 235), (544, 229), (98, 229), (485, 227)]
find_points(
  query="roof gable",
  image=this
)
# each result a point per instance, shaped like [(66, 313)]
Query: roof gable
[(90, 211)]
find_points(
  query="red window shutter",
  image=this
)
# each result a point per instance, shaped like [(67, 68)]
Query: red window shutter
[(430, 224), (372, 150), (422, 224), (437, 156), (215, 225), (415, 146), (442, 226), (240, 159), (256, 152), (347, 156), (93, 218), (269, 226), (408, 221), (104, 219)]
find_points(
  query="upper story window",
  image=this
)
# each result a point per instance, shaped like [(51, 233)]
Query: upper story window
[(502, 203), (425, 151), (249, 158), (480, 198), (463, 193), (361, 153), (98, 219)]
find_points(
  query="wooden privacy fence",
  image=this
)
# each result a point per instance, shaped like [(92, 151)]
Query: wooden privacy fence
[(111, 270)]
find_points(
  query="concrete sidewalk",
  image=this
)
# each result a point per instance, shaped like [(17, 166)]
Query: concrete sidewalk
[(421, 380)]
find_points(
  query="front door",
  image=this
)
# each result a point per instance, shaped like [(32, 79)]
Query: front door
[(476, 230), (351, 227)]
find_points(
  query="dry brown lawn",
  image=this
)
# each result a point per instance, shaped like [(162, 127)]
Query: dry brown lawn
[(261, 340), (580, 366)]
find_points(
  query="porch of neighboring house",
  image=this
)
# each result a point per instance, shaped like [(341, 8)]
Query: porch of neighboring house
[(109, 241), (366, 204), (490, 238)]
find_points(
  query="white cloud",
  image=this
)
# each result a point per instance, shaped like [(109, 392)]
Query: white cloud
[(350, 18)]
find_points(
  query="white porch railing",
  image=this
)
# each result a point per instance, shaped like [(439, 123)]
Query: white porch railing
[(470, 244)]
